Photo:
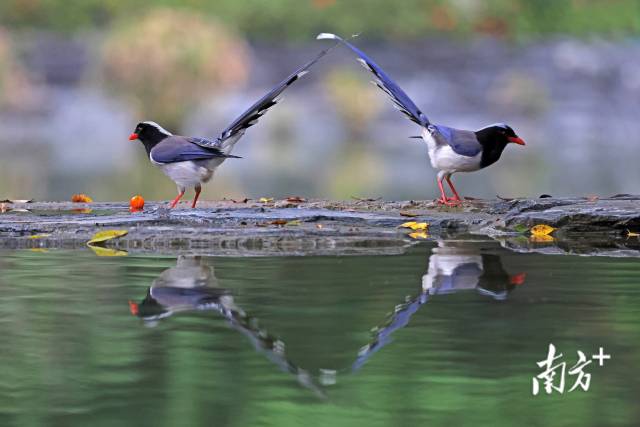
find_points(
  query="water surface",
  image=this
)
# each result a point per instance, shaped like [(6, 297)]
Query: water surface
[(446, 335)]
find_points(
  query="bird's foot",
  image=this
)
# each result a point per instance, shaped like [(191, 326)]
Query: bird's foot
[(449, 201)]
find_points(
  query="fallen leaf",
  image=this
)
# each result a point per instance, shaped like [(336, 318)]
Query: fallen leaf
[(278, 222), (81, 198), (632, 234), (521, 228), (42, 250), (409, 214), (541, 238), (103, 236), (319, 226), (415, 225), (102, 251), (419, 235), (265, 199), (407, 224), (294, 222), (542, 230), (38, 236), (296, 199)]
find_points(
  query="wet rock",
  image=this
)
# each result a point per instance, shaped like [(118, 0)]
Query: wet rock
[(320, 226)]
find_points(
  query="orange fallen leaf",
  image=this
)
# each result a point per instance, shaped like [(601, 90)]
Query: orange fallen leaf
[(81, 198), (296, 199), (542, 230)]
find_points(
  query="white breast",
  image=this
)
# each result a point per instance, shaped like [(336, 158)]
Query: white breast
[(445, 159), (190, 173)]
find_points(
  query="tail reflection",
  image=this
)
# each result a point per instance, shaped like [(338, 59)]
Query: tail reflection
[(192, 286), (454, 266)]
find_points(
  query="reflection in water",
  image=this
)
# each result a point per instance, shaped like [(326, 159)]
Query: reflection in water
[(454, 266), (192, 286)]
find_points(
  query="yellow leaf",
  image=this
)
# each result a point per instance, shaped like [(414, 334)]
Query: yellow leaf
[(419, 235), (102, 251), (266, 199), (408, 224), (419, 226), (542, 230), (541, 238), (103, 236), (38, 236), (632, 234), (294, 222)]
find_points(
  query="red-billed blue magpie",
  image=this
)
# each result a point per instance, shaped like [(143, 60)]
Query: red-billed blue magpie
[(191, 161), (450, 150)]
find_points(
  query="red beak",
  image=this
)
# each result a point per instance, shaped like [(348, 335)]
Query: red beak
[(518, 279), (133, 308), (516, 140), (133, 136)]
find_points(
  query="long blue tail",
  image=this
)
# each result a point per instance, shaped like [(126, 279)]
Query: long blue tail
[(397, 95)]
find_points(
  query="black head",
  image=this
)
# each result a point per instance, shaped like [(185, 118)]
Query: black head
[(149, 133), (494, 139)]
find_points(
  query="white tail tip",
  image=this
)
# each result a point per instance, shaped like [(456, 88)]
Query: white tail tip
[(323, 36)]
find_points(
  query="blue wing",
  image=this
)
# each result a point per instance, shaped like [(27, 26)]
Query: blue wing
[(257, 110), (179, 149), (463, 142), (397, 95)]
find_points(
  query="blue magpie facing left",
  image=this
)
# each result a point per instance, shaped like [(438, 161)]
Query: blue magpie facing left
[(450, 150), (191, 161)]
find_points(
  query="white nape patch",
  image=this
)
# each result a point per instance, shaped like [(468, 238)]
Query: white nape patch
[(500, 125), (157, 126)]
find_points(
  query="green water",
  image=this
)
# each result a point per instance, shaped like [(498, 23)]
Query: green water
[(449, 336)]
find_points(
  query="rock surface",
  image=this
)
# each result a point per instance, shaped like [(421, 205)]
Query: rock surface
[(585, 225)]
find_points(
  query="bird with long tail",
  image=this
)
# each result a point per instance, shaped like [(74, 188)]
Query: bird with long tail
[(450, 150)]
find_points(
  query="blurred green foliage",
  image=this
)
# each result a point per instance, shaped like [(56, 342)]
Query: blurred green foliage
[(296, 19), (170, 59)]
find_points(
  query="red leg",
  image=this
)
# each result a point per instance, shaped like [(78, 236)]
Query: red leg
[(455, 193), (176, 200), (195, 199), (443, 198)]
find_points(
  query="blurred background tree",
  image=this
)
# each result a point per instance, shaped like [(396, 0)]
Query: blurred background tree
[(294, 19), (168, 60)]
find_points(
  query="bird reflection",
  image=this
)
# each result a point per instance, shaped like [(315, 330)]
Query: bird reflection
[(192, 286), (454, 266)]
